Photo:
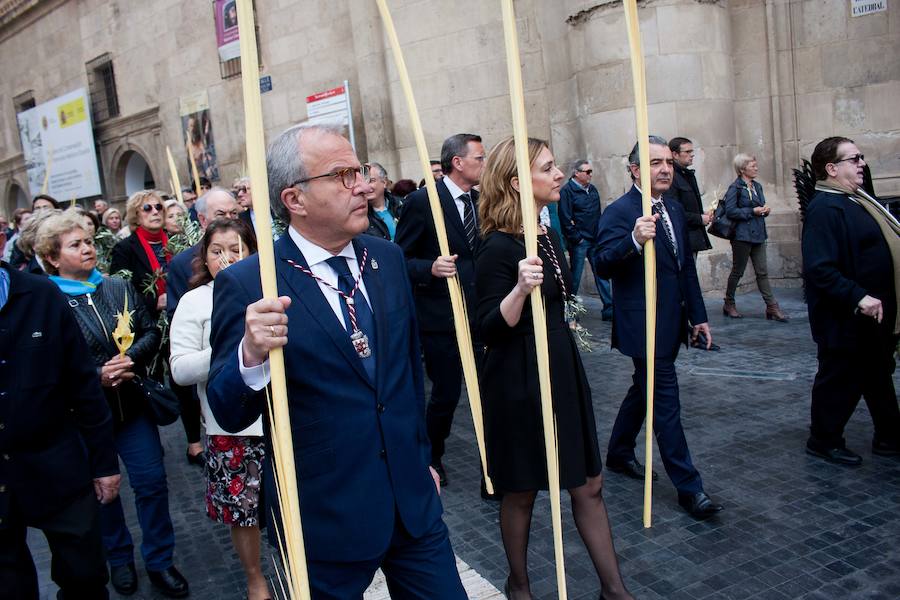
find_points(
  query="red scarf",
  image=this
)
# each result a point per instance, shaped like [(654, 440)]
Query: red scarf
[(147, 238)]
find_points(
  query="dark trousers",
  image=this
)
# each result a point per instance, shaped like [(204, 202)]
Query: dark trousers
[(844, 377), (137, 443), (577, 255), (77, 566), (670, 438), (190, 410), (444, 369), (421, 568), (741, 252)]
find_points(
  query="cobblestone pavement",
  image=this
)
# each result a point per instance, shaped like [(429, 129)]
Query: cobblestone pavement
[(793, 526)]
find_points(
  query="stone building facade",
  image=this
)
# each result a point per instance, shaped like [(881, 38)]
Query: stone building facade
[(767, 77)]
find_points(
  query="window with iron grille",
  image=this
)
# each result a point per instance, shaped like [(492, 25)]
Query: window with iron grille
[(102, 84)]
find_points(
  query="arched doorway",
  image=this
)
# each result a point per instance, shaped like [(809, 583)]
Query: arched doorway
[(17, 197), (138, 175)]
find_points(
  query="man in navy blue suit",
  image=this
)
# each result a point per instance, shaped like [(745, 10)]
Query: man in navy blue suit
[(621, 235), (346, 320)]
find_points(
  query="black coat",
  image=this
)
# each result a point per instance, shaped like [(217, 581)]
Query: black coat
[(416, 235), (128, 254), (686, 192), (125, 401), (579, 211), (57, 433), (845, 257)]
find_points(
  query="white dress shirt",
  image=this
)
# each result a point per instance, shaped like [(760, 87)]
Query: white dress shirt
[(457, 193), (668, 221), (191, 353), (257, 377)]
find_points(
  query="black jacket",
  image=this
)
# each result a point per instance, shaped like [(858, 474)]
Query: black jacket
[(377, 226), (579, 211), (56, 433), (845, 257), (686, 192), (128, 254), (96, 316), (417, 237)]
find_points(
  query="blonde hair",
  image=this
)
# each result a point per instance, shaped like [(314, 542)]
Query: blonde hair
[(29, 231), (107, 214), (741, 161), (498, 204), (134, 203), (47, 244)]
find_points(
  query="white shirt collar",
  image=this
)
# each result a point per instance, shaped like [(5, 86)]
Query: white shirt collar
[(454, 189), (316, 254)]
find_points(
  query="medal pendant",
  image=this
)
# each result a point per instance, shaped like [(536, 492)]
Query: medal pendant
[(360, 343), (349, 301)]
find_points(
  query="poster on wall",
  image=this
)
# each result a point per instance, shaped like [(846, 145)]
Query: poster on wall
[(861, 8), (198, 134), (332, 106), (58, 146), (227, 33)]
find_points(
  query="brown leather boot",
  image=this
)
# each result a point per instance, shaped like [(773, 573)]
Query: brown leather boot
[(773, 312), (730, 310)]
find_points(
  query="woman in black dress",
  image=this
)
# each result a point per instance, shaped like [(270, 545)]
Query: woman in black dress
[(504, 278)]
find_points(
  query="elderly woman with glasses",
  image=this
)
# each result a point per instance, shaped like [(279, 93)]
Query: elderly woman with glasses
[(144, 253), (745, 204)]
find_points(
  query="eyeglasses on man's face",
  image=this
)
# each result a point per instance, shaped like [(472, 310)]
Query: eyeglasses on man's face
[(347, 176), (241, 190), (586, 171), (855, 159)]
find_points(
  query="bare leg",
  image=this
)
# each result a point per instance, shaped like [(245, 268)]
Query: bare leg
[(515, 523), (246, 542), (592, 521)]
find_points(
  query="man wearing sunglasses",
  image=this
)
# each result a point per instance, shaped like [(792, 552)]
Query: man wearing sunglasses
[(579, 212), (851, 268), (346, 323)]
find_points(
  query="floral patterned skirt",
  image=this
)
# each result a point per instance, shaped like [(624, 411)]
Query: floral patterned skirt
[(234, 476)]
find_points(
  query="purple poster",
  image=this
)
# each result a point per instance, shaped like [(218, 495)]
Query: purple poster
[(227, 33)]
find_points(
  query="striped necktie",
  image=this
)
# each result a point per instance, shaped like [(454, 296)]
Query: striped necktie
[(468, 219)]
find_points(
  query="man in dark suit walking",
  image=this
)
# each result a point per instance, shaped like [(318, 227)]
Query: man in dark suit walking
[(622, 234), (462, 161), (851, 267), (355, 383)]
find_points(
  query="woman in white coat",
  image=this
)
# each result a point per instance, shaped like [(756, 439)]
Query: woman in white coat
[(234, 460)]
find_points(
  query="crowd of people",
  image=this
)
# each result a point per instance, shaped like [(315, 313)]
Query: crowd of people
[(112, 313)]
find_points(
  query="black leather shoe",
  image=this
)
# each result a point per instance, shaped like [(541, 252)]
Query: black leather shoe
[(124, 579), (198, 459), (631, 468), (442, 474), (699, 505), (882, 448), (838, 456), (169, 582)]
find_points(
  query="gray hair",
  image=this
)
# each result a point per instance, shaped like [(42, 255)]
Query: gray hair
[(284, 162), (741, 161), (200, 203), (576, 166), (382, 172), (456, 145), (634, 156)]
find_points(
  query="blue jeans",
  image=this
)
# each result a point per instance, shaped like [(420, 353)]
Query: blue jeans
[(137, 443), (577, 254)]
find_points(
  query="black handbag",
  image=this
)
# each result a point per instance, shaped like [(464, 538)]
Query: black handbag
[(163, 406), (722, 226)]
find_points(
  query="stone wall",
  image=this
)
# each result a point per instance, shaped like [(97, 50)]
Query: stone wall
[(769, 77)]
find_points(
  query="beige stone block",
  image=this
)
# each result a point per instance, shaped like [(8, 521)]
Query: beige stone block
[(850, 112), (606, 87), (870, 25), (609, 133), (562, 99), (815, 120), (566, 143), (861, 62), (751, 76), (689, 26), (807, 69), (881, 103), (715, 119), (718, 75), (605, 39), (286, 49), (674, 77), (820, 22), (557, 62), (748, 33)]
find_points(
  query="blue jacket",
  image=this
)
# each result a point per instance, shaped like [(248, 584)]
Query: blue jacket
[(739, 208), (679, 300), (361, 449), (579, 211)]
